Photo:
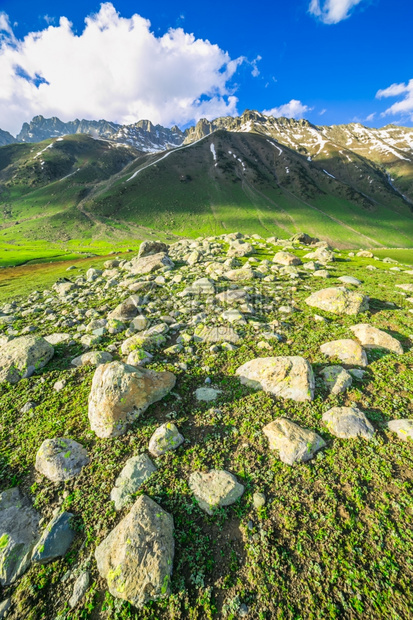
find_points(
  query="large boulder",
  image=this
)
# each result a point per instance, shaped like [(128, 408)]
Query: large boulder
[(21, 357), (120, 393), (348, 422), (285, 377), (149, 248), (323, 255), (215, 488), (136, 558), (60, 459), (19, 532), (338, 300), (294, 443), (286, 258), (137, 470), (148, 264), (347, 351), (373, 338)]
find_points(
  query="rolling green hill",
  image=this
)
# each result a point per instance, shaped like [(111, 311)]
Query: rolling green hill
[(80, 192)]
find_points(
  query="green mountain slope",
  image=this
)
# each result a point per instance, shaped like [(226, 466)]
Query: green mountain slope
[(77, 187)]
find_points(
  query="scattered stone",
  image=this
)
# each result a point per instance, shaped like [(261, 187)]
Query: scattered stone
[(285, 377), (136, 558), (295, 444), (60, 459), (19, 531), (258, 500), (365, 254), (348, 422), (336, 379), (347, 351), (4, 607), (238, 295), (165, 438), (349, 280), (92, 358), (79, 589), (214, 489), (21, 357), (321, 273), (29, 406), (239, 248), (59, 385), (406, 287), (149, 264), (402, 428), (206, 394), (338, 300), (58, 338), (120, 393), (55, 540), (373, 338), (285, 258), (137, 470), (148, 248), (138, 357), (217, 334), (324, 255)]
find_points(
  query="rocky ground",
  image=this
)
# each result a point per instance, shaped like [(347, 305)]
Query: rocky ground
[(216, 428)]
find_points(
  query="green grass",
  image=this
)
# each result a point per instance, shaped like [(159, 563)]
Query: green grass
[(334, 539)]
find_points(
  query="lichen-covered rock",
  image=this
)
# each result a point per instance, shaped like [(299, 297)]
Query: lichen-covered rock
[(79, 589), (285, 377), (403, 428), (58, 338), (136, 558), (127, 310), (120, 393), (294, 443), (336, 379), (137, 470), (56, 539), (21, 357), (165, 438), (347, 351), (338, 300), (19, 531), (239, 275), (147, 339), (373, 338), (60, 459), (286, 258), (347, 423), (215, 488)]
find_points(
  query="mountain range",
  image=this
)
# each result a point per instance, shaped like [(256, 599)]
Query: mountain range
[(348, 184)]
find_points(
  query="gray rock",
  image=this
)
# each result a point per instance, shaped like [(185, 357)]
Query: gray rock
[(349, 280), (373, 338), (60, 459), (136, 558), (338, 300), (55, 540), (348, 422), (149, 264), (120, 393), (287, 259), (347, 351), (258, 500), (285, 377), (295, 444), (92, 358), (79, 589), (336, 379), (137, 470), (4, 607), (58, 338), (127, 310), (165, 438), (206, 394), (19, 531), (214, 489), (403, 428), (20, 357), (231, 296), (239, 248), (148, 248)]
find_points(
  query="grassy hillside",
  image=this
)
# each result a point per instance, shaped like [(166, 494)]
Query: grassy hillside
[(80, 193)]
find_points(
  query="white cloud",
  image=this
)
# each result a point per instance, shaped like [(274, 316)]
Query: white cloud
[(115, 69), (332, 11), (323, 111), (404, 107), (255, 71), (292, 109), (370, 117)]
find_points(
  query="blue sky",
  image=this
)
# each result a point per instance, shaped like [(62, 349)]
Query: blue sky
[(330, 61)]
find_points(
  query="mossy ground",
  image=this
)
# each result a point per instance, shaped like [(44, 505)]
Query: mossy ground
[(335, 538)]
